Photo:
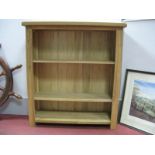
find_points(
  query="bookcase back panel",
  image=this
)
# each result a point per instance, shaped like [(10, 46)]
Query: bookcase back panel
[(73, 45), (75, 78), (73, 106)]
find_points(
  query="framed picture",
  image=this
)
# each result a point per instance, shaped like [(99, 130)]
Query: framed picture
[(139, 101)]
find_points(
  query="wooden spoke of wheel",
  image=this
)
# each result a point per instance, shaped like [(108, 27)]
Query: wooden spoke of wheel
[(13, 69), (9, 81), (2, 73)]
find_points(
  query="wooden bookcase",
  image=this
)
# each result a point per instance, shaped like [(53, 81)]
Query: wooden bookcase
[(73, 72)]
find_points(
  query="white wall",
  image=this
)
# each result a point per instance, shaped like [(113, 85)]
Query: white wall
[(138, 47), (12, 39)]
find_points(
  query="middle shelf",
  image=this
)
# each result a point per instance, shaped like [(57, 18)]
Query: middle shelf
[(74, 62), (81, 97)]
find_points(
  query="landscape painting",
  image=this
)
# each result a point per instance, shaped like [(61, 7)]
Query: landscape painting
[(143, 101)]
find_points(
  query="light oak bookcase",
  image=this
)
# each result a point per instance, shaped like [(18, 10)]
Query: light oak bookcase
[(73, 72)]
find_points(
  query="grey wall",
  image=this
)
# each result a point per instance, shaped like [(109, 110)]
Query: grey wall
[(138, 54), (16, 107)]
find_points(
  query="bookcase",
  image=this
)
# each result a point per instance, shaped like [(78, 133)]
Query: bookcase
[(73, 72)]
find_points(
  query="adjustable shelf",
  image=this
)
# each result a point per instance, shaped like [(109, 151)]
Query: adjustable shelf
[(81, 97), (73, 72), (75, 62)]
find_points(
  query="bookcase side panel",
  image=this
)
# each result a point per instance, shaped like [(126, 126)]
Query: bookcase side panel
[(30, 78), (117, 75)]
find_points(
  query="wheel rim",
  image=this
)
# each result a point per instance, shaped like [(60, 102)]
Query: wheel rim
[(6, 82)]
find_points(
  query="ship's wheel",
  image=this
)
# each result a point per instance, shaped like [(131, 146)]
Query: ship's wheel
[(6, 82)]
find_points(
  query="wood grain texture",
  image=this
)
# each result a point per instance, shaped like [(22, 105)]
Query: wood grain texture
[(72, 28), (73, 72), (74, 45), (102, 24), (30, 78), (74, 106), (79, 97), (75, 78), (74, 62), (117, 75), (72, 117)]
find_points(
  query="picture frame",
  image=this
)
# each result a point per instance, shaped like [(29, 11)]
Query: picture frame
[(138, 109)]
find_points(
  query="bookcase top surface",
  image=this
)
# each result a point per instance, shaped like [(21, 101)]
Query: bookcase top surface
[(58, 23)]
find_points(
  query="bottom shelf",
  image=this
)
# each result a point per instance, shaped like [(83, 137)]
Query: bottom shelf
[(72, 117)]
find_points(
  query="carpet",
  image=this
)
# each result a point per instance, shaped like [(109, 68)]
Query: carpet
[(18, 125)]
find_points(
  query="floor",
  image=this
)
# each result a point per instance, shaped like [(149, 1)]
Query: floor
[(18, 125)]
